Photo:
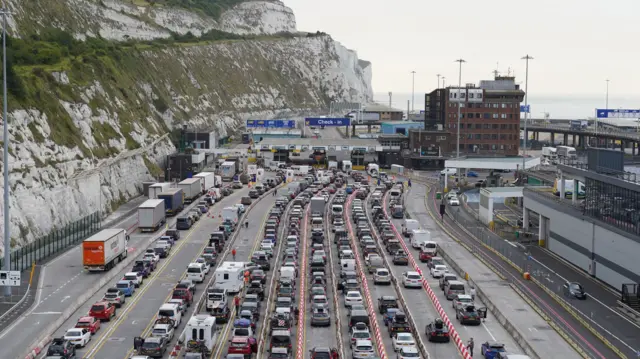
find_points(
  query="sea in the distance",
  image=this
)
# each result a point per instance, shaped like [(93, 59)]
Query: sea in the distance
[(558, 107)]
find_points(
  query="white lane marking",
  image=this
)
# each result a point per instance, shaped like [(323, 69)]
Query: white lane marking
[(488, 331), (65, 298), (48, 313), (511, 244), (591, 297)]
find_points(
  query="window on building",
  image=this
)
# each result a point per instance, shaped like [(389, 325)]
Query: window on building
[(502, 147), (503, 126), (470, 95), (510, 116), (487, 116), (503, 137), (478, 126), (503, 115), (495, 115), (493, 147), (478, 136), (470, 136), (479, 95), (486, 126), (486, 136), (511, 126), (494, 126), (477, 115), (494, 105), (494, 136), (443, 138), (504, 105)]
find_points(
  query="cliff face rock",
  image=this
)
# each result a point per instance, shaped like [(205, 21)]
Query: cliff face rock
[(92, 127)]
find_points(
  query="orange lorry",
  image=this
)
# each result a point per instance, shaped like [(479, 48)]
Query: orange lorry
[(104, 250)]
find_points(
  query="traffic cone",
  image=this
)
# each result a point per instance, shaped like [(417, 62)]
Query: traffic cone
[(174, 353)]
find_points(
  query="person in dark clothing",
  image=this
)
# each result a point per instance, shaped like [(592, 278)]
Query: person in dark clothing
[(296, 312), (275, 192), (470, 346), (409, 183)]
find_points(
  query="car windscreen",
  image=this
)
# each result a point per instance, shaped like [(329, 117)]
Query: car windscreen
[(159, 332), (166, 313), (122, 285), (281, 339), (430, 245), (242, 332), (196, 270), (150, 345), (97, 308)]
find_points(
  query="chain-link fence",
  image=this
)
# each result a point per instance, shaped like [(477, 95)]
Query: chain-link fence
[(54, 242)]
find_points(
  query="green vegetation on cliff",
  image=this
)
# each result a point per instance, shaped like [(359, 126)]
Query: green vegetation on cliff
[(211, 8)]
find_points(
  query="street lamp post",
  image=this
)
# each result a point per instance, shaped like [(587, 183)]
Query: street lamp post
[(526, 112), (413, 89), (443, 82), (5, 138), (460, 61), (438, 81)]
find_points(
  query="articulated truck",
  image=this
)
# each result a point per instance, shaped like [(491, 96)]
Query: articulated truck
[(192, 189), (207, 180), (104, 250), (157, 188), (173, 200), (151, 215)]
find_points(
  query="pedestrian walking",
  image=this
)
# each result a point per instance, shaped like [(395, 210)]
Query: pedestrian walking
[(472, 292), (470, 346), (233, 254), (409, 182), (236, 302), (334, 353)]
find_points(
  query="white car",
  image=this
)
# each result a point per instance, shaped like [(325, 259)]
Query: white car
[(195, 213), (403, 340), (78, 336), (163, 331), (152, 256), (411, 279), (352, 297), (438, 270), (134, 277), (206, 266), (382, 276), (462, 299), (453, 201), (448, 171), (408, 353)]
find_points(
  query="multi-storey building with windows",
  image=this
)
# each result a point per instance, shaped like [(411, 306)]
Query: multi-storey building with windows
[(489, 115)]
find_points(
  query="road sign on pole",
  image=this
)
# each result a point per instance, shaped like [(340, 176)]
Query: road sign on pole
[(526, 109), (321, 121), (617, 113), (10, 278), (271, 123)]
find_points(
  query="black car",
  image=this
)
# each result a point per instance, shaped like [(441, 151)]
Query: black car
[(61, 347), (256, 288), (254, 194), (437, 332), (387, 301), (173, 233), (154, 347), (575, 290)]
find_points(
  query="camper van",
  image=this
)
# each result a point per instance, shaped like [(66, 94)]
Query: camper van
[(230, 276), (373, 170), (201, 328)]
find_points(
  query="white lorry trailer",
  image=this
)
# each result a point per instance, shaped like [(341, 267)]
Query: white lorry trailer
[(207, 180), (230, 213), (347, 166), (567, 152), (192, 189), (104, 250), (156, 188), (151, 215), (317, 207), (228, 170)]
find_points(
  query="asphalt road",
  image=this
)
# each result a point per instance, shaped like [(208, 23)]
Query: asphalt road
[(61, 280), (584, 338), (488, 331), (598, 310), (315, 337), (115, 339)]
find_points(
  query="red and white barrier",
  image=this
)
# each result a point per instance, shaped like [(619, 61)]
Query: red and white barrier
[(425, 284), (382, 352), (38, 348), (303, 285)]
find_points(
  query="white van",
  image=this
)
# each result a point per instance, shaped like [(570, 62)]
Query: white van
[(347, 265), (317, 222), (336, 210), (196, 272), (409, 226), (419, 236), (429, 247), (171, 311), (288, 272), (395, 193)]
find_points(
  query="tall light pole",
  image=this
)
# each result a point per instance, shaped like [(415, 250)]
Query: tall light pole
[(526, 97), (443, 81), (5, 138), (460, 61), (438, 81), (413, 90), (390, 96)]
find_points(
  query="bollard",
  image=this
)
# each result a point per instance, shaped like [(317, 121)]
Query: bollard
[(526, 275)]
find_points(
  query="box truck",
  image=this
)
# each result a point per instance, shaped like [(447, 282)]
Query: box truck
[(549, 153), (104, 250), (156, 188), (145, 187), (347, 166), (228, 170), (230, 213), (566, 152), (333, 165), (218, 180), (317, 206), (151, 215), (207, 180), (173, 200), (192, 189)]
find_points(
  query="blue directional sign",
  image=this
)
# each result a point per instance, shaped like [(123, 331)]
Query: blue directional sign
[(526, 108), (271, 124), (619, 113), (320, 121)]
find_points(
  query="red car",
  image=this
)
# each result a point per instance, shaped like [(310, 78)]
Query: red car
[(103, 311), (89, 323), (243, 345), (425, 257), (184, 294)]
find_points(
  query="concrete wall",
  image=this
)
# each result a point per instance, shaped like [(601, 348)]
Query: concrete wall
[(579, 239)]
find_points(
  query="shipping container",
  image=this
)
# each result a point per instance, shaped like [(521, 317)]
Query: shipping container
[(145, 187), (157, 188), (192, 189), (104, 250), (173, 200), (151, 215), (208, 180), (228, 170)]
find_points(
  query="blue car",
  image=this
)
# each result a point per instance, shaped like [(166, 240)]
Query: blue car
[(126, 287), (349, 190), (472, 174), (491, 349)]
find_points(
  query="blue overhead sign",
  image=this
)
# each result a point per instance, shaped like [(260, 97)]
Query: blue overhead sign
[(320, 121), (526, 109), (271, 124), (619, 113)]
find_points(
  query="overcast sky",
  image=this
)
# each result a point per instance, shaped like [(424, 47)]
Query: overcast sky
[(577, 45)]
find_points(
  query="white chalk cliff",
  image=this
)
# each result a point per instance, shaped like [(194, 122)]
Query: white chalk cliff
[(93, 128)]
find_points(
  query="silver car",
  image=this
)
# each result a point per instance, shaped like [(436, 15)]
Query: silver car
[(320, 317)]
